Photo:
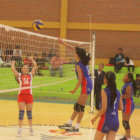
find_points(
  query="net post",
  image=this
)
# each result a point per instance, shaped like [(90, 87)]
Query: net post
[(92, 71)]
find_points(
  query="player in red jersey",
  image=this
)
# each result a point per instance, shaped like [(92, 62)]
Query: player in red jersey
[(25, 98)]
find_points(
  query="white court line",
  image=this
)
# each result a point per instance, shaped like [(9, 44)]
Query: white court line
[(42, 133), (43, 85)]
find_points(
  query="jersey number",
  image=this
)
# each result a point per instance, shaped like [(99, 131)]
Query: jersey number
[(26, 81), (115, 103)]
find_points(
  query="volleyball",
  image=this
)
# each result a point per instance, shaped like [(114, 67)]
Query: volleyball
[(37, 25)]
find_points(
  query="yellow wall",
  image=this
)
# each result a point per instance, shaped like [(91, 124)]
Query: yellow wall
[(63, 25)]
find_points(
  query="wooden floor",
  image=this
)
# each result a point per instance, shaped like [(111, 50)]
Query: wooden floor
[(50, 114)]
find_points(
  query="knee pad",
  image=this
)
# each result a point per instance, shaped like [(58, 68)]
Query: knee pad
[(126, 125), (79, 108), (21, 114), (29, 114)]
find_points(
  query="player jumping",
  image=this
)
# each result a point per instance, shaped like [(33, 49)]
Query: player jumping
[(111, 102), (128, 103), (25, 97), (82, 72)]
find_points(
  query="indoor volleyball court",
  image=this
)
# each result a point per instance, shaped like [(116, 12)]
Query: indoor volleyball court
[(49, 51), (53, 103)]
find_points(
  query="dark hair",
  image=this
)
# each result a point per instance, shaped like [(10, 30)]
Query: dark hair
[(17, 47), (111, 77), (44, 54), (24, 65), (120, 49), (130, 76), (102, 64), (127, 60), (28, 54), (82, 54), (137, 75)]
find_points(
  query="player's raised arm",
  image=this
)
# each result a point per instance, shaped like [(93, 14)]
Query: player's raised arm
[(66, 44), (14, 70), (34, 66)]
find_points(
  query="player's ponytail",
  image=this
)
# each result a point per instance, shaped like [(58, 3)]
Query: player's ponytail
[(86, 60), (131, 80), (111, 84), (83, 56), (130, 77)]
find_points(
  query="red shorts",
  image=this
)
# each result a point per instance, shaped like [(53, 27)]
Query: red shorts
[(26, 98)]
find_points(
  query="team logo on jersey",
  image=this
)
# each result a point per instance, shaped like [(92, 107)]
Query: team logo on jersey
[(113, 113), (89, 89), (26, 81), (106, 128)]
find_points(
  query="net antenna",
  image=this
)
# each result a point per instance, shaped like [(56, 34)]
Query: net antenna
[(92, 70), (90, 30)]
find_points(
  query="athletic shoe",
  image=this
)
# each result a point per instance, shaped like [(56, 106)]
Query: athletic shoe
[(19, 134), (31, 132), (124, 138), (72, 129), (65, 126)]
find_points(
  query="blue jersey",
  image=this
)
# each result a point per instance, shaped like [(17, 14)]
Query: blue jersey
[(109, 120), (86, 80), (128, 104)]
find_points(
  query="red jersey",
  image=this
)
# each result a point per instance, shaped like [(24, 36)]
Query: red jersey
[(25, 81)]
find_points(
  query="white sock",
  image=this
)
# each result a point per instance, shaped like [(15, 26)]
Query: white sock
[(77, 125), (70, 121)]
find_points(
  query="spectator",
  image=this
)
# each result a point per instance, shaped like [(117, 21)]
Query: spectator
[(1, 54), (99, 81), (129, 63), (17, 56), (17, 51), (7, 62), (1, 51), (137, 85), (51, 54), (9, 51), (43, 59), (56, 65), (119, 60), (1, 62), (38, 61)]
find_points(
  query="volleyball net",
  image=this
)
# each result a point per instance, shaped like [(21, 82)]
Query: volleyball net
[(52, 82)]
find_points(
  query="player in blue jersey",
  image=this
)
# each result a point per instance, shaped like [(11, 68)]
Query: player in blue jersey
[(128, 103), (82, 72), (111, 103)]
